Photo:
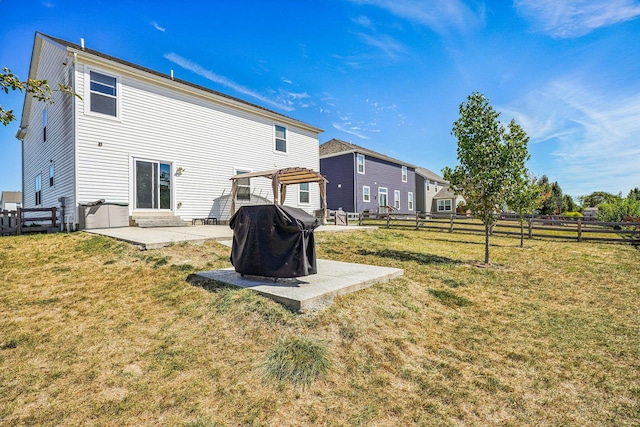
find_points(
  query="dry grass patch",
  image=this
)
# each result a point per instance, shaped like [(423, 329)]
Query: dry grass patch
[(93, 331)]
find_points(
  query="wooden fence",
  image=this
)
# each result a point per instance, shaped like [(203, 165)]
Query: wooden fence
[(28, 220), (557, 227)]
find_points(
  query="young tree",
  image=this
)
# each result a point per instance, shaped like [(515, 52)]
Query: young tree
[(492, 161), (598, 197), (39, 89), (525, 200), (634, 194)]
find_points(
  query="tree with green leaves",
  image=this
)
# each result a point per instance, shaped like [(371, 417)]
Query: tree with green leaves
[(634, 194), (527, 198), (568, 205), (598, 197), (492, 161), (39, 89)]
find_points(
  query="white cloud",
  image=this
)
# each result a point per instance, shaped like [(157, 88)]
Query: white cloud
[(592, 135), (440, 15), (390, 47), (158, 27), (574, 18), (363, 21), (216, 78), (351, 130)]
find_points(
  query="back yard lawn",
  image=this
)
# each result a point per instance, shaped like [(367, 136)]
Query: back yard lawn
[(96, 332)]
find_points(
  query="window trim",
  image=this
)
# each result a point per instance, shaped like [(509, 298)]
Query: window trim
[(444, 203), (88, 92), (38, 189), (396, 199), (301, 191), (44, 124), (410, 200), (52, 171), (237, 171), (358, 158), (275, 139), (366, 193), (405, 174)]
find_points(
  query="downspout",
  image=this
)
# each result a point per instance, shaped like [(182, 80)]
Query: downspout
[(76, 210), (355, 182)]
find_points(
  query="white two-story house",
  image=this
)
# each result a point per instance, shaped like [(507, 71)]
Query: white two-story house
[(153, 143)]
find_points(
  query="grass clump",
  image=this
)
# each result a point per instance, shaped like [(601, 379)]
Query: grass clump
[(450, 299), (299, 360)]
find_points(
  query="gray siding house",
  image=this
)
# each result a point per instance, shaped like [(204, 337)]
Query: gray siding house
[(433, 193), (361, 179)]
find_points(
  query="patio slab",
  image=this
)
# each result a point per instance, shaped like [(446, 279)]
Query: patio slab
[(309, 293), (158, 237)]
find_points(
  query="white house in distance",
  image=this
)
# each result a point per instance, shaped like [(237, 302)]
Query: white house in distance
[(433, 193), (156, 144), (10, 200)]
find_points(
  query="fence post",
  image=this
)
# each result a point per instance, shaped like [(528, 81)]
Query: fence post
[(579, 230), (451, 224), (388, 219), (530, 227), (417, 223), (360, 218), (53, 216), (19, 222)]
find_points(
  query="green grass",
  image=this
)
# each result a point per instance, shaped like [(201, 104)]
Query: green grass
[(93, 331)]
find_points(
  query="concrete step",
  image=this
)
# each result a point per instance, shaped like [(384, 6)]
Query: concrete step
[(157, 221)]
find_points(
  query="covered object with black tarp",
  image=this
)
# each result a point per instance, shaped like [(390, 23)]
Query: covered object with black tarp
[(273, 241)]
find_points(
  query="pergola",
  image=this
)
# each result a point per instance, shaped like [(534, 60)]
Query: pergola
[(280, 178)]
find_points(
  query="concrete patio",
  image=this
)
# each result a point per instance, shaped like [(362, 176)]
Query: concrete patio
[(307, 293), (158, 237)]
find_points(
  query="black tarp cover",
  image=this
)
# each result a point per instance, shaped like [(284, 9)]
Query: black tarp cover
[(273, 241)]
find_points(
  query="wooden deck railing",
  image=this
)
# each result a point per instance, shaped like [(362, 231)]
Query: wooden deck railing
[(28, 220)]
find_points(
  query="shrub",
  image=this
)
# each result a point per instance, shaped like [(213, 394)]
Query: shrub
[(299, 360), (575, 215)]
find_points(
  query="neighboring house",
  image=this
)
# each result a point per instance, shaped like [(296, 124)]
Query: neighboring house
[(445, 201), (158, 144), (436, 196), (428, 184), (361, 179), (10, 200)]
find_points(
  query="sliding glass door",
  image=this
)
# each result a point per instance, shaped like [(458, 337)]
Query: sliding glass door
[(153, 185)]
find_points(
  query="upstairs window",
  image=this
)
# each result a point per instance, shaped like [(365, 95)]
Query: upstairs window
[(360, 163), (404, 174), (281, 139), (51, 173), (38, 194), (244, 187), (428, 185), (103, 95), (303, 193)]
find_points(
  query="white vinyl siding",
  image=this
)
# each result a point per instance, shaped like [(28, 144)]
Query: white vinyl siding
[(58, 119), (366, 193), (206, 137)]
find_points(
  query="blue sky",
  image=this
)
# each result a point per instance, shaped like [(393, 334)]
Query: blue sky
[(385, 74)]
